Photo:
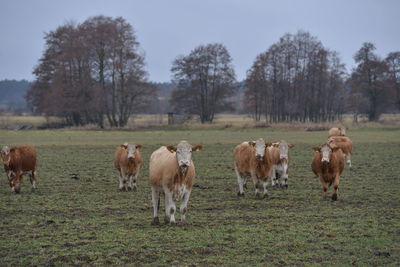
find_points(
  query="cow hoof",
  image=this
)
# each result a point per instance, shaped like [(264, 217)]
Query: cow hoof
[(166, 220), (134, 188), (334, 197), (245, 186), (286, 186), (258, 196), (155, 221), (265, 196), (173, 223), (129, 188), (240, 194)]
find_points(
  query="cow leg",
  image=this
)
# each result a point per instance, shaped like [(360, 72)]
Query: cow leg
[(256, 182), (135, 178), (169, 206), (349, 159), (241, 182), (336, 187), (265, 192), (130, 180), (155, 199), (125, 178), (273, 176), (324, 188), (183, 207), (121, 181), (32, 178)]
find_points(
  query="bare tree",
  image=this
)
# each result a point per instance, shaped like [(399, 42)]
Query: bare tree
[(369, 78), (296, 79), (393, 63), (91, 70), (206, 79)]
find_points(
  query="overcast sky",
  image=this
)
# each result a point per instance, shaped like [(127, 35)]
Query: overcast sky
[(168, 28)]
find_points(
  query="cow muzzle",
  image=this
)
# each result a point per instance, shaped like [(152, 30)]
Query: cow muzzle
[(325, 160)]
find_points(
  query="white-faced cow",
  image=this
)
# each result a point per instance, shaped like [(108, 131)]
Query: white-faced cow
[(17, 161), (328, 164), (279, 151), (345, 144), (172, 171), (128, 162), (340, 131), (252, 158)]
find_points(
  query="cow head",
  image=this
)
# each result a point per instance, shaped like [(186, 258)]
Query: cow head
[(259, 148), (15, 183), (184, 154), (130, 150), (283, 149), (5, 155), (342, 131), (326, 151)]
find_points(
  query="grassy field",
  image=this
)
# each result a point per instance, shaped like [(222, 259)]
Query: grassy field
[(87, 221)]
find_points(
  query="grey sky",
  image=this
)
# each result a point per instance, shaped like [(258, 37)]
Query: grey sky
[(168, 28)]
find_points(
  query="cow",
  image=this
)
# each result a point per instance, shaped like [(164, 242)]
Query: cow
[(18, 161), (279, 151), (172, 172), (252, 159), (341, 131), (345, 144), (328, 165), (128, 162)]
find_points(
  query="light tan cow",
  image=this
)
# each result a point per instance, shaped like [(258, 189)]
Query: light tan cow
[(328, 165), (340, 131), (17, 161), (128, 162), (172, 172), (279, 151), (345, 144), (252, 158)]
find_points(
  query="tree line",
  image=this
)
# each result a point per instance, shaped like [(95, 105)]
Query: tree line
[(94, 71)]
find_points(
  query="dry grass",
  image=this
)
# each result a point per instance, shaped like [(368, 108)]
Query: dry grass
[(221, 121)]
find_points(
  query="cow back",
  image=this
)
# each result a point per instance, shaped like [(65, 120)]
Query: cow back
[(23, 158)]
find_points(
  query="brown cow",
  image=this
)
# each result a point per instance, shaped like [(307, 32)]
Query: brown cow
[(341, 131), (252, 158), (279, 151), (172, 171), (128, 161), (328, 165), (17, 161), (345, 144)]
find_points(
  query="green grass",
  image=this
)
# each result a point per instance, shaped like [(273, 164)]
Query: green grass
[(87, 221)]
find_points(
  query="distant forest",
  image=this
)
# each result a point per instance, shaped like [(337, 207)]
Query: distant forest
[(12, 96), (94, 73)]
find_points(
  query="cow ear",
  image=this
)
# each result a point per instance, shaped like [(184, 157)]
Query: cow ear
[(252, 143), (171, 149), (124, 145), (290, 145), (276, 144), (316, 149), (197, 148), (268, 144), (139, 146)]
